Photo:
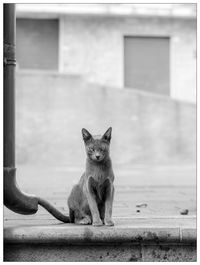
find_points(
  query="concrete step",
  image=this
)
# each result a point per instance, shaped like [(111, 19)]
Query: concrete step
[(131, 239)]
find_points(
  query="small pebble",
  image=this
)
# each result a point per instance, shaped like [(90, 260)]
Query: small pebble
[(142, 205), (184, 212)]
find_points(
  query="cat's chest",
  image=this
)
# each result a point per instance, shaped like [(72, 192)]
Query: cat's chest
[(99, 175)]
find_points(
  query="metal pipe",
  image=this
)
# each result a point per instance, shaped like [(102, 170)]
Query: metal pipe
[(9, 84), (14, 198)]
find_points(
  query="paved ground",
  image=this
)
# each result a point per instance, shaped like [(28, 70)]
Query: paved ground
[(141, 191)]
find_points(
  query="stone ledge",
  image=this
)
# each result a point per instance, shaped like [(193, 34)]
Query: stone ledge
[(127, 230)]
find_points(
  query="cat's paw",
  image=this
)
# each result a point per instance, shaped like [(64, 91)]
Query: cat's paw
[(109, 222), (97, 223), (85, 221)]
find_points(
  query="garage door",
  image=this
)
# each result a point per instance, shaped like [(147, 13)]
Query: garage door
[(37, 43), (146, 64)]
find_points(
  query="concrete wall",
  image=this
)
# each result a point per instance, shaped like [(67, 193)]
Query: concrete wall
[(52, 109), (94, 47)]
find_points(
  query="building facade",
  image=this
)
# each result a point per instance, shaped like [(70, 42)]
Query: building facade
[(132, 67), (147, 47)]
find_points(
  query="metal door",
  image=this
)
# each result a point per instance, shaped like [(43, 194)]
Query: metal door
[(146, 64), (37, 43)]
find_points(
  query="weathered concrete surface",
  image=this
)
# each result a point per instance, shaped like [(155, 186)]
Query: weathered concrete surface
[(98, 253), (157, 238), (72, 253), (117, 253), (163, 253), (131, 230), (131, 239), (52, 109)]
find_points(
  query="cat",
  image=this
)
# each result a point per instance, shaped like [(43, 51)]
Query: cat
[(91, 200)]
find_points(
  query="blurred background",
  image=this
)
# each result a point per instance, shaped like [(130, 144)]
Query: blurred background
[(129, 66)]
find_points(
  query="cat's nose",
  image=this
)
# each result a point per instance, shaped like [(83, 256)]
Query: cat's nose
[(97, 157)]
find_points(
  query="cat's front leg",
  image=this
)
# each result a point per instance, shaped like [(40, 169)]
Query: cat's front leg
[(109, 191), (96, 220)]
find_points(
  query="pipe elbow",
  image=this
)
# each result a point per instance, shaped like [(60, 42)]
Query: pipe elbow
[(14, 198)]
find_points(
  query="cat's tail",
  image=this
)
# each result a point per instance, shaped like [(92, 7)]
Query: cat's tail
[(52, 210)]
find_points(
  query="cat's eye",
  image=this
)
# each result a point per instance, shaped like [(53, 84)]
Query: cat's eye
[(91, 149)]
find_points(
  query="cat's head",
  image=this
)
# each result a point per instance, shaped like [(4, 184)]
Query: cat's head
[(97, 147)]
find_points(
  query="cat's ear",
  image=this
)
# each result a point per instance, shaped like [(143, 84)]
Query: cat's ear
[(107, 135), (86, 135)]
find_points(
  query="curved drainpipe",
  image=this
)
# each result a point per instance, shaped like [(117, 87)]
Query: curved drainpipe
[(14, 198)]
